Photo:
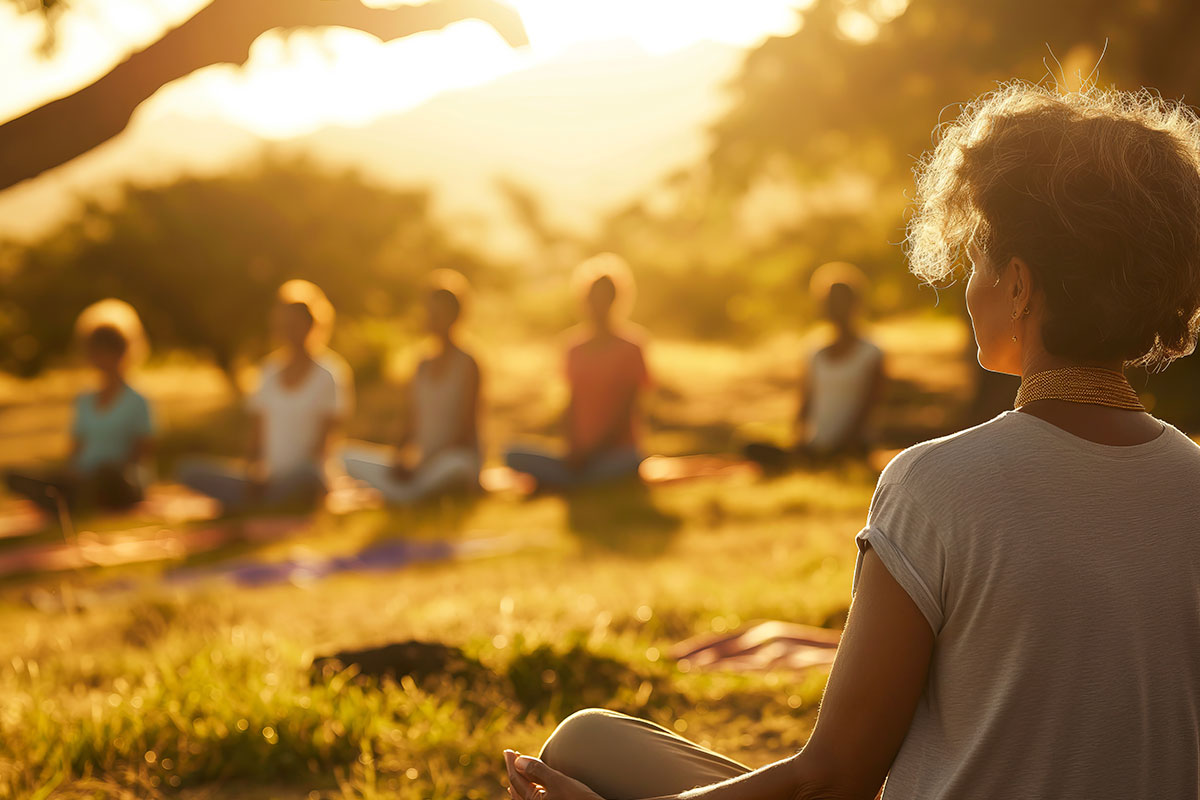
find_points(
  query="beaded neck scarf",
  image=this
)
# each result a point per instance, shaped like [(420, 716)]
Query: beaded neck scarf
[(1090, 385)]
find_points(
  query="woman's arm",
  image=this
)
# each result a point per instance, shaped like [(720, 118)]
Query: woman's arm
[(468, 427), (874, 686), (877, 680), (329, 426), (336, 409), (873, 690)]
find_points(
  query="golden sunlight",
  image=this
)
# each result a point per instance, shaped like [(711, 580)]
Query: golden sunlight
[(298, 81), (393, 389)]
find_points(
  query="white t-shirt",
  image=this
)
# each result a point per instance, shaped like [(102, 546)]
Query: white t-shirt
[(839, 388), (343, 377), (1061, 579), (294, 418), (440, 403)]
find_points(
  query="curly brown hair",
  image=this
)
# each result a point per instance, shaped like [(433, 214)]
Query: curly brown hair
[(1097, 191)]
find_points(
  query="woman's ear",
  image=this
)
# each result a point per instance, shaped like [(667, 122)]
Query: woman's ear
[(1022, 285)]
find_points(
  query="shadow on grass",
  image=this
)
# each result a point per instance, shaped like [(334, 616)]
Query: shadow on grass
[(620, 517), (544, 679), (444, 517)]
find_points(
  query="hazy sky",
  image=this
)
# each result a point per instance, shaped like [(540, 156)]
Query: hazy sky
[(337, 79), (308, 79)]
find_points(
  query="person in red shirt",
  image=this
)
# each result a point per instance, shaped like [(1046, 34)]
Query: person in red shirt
[(606, 373)]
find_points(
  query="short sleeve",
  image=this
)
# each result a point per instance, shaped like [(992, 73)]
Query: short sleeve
[(258, 400), (343, 383), (343, 391), (876, 359), (909, 546), (332, 397)]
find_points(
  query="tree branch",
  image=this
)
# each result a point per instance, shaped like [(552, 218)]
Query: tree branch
[(220, 33)]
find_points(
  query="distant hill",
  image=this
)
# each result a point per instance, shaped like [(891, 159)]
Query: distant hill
[(586, 132)]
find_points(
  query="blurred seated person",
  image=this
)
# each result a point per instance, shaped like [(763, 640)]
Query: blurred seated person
[(112, 433), (309, 294), (442, 418), (303, 396), (606, 374), (842, 384)]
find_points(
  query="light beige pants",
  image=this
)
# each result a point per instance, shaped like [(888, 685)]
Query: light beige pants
[(624, 758)]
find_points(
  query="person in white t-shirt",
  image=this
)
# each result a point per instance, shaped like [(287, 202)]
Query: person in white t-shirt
[(302, 398), (842, 384)]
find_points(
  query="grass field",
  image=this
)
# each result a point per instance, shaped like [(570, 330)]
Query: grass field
[(147, 691)]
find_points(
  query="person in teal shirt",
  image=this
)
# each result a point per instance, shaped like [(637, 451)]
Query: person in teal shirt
[(112, 435)]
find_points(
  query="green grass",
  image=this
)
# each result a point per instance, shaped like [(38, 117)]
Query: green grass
[(151, 693), (207, 691)]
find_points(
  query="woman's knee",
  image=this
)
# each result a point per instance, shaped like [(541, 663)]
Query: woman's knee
[(577, 738)]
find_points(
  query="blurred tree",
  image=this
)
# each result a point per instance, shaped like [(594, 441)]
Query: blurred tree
[(219, 33), (813, 160), (201, 259), (859, 87), (863, 81)]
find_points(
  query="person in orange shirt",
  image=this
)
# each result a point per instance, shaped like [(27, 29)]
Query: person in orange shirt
[(606, 373)]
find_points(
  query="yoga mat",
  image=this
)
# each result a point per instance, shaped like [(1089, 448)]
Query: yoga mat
[(383, 556), (144, 544), (166, 503), (763, 646), (20, 518), (675, 469), (654, 470)]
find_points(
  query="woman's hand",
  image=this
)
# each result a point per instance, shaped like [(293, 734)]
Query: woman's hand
[(531, 779)]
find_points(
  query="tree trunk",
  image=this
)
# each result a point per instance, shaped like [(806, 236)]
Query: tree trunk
[(220, 33)]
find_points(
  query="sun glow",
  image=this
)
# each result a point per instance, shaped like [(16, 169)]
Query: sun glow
[(657, 26), (302, 80)]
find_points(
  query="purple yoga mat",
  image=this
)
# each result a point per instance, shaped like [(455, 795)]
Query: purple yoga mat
[(381, 556)]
